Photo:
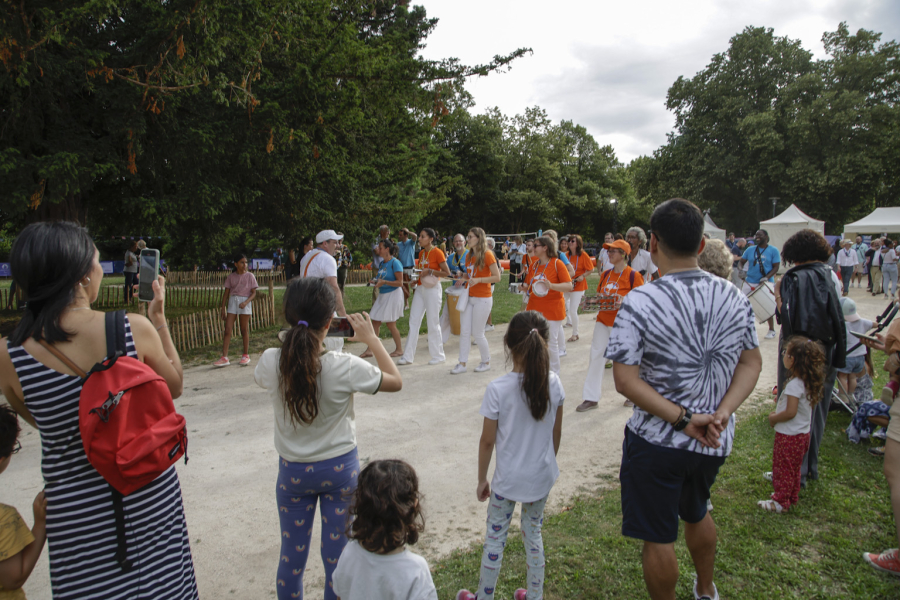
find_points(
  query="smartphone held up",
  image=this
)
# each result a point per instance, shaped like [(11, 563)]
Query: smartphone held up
[(149, 273), (340, 327)]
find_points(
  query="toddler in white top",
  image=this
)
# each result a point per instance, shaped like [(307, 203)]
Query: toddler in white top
[(376, 564), (804, 359), (523, 418)]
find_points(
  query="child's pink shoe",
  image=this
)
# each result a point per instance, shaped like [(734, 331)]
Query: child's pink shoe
[(889, 392), (222, 362), (245, 360), (520, 594), (465, 595)]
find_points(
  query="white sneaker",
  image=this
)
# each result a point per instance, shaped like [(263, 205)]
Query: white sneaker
[(436, 361), (563, 353), (481, 368), (767, 475), (697, 596), (488, 327), (771, 334), (459, 368), (403, 361)]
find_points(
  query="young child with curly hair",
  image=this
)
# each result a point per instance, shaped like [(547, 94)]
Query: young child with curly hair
[(804, 361), (387, 515)]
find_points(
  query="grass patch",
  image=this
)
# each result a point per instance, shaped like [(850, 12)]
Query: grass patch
[(815, 551)]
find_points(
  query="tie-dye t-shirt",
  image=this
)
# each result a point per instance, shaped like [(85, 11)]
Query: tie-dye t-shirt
[(686, 331)]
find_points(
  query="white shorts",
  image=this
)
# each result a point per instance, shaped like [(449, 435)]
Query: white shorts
[(388, 307), (234, 306)]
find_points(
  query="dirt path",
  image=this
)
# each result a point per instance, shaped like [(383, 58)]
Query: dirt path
[(433, 423)]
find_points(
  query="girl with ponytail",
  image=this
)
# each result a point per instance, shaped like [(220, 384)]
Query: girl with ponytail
[(312, 392), (523, 418)]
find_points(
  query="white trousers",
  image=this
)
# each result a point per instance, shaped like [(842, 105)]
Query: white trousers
[(593, 383), (426, 303), (560, 338), (445, 323), (556, 331), (566, 297), (573, 299), (472, 320)]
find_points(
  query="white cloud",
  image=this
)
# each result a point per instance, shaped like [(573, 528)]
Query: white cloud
[(608, 66)]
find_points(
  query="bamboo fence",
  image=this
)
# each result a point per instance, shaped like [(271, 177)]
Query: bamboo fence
[(206, 327), (217, 278), (176, 297)]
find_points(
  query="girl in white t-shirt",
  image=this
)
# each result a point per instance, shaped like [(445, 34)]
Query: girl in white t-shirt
[(387, 515), (523, 418), (805, 362), (312, 394)]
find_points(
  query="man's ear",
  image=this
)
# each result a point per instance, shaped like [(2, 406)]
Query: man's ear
[(654, 243), (702, 246)]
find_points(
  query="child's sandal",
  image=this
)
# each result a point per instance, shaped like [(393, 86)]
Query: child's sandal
[(771, 506)]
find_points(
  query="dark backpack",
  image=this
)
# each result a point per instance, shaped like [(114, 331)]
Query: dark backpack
[(126, 416)]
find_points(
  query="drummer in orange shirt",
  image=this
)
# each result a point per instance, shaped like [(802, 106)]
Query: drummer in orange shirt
[(482, 270), (549, 279), (525, 276), (616, 283), (583, 266)]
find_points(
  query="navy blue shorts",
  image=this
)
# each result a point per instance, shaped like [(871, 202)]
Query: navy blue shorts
[(661, 485)]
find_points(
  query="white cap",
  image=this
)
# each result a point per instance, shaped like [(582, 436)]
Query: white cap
[(328, 234), (848, 307)]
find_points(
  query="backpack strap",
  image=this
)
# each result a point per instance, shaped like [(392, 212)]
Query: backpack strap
[(115, 334), (121, 555)]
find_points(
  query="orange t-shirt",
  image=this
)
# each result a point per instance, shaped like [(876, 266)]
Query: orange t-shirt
[(582, 264), (435, 258), (619, 284), (553, 305), (480, 290)]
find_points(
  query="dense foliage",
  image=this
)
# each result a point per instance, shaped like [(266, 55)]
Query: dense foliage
[(765, 120)]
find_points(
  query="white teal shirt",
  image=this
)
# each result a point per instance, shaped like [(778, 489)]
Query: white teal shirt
[(686, 332), (364, 575)]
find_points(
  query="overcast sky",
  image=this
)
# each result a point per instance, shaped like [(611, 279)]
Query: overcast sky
[(608, 66)]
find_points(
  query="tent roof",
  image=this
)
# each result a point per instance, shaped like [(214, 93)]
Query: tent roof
[(710, 225), (882, 220), (792, 215)]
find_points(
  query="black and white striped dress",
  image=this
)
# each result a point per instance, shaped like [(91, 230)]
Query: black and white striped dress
[(80, 522)]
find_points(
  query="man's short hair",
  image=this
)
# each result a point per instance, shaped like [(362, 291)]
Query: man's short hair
[(678, 225), (384, 228)]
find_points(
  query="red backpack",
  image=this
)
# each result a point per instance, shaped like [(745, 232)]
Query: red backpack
[(126, 416)]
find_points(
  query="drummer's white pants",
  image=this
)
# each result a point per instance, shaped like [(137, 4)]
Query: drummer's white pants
[(426, 303), (593, 383), (472, 322), (573, 300), (556, 332)]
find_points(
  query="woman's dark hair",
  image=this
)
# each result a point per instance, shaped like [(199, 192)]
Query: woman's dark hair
[(390, 245), (809, 365), (310, 300), (386, 509), (579, 244), (47, 261), (9, 430), (236, 259), (678, 225), (888, 244), (805, 246), (619, 236), (303, 243), (526, 341), (430, 233)]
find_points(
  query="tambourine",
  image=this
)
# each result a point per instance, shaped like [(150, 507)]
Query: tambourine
[(540, 288)]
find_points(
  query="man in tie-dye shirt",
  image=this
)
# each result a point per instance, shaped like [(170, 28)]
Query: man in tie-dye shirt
[(685, 351)]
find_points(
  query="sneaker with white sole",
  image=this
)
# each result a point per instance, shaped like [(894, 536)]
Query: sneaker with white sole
[(482, 367), (222, 362), (245, 360), (465, 595), (697, 596), (628, 403), (887, 562), (403, 361), (459, 368), (586, 406), (767, 475), (770, 334), (563, 353), (520, 594), (771, 506), (488, 327), (436, 361)]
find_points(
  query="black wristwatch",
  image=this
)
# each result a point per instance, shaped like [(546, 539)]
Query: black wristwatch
[(684, 421)]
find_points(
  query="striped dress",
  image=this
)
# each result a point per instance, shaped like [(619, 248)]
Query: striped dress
[(80, 522)]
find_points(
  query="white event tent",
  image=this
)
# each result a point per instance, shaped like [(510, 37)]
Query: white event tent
[(882, 220), (713, 231), (788, 223)]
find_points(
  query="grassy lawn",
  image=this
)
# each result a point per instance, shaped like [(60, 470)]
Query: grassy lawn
[(815, 551)]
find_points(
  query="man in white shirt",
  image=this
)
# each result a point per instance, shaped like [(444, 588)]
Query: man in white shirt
[(603, 263), (847, 261), (860, 248), (319, 262)]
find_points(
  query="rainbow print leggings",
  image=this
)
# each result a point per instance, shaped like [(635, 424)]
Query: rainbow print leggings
[(300, 487), (500, 512)]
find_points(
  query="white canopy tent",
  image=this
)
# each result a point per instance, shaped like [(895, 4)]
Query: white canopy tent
[(788, 223), (882, 220), (713, 231)]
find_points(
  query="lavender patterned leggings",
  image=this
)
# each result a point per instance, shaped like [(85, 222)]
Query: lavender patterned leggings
[(500, 512)]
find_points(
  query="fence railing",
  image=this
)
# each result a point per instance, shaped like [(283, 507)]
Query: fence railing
[(176, 297), (206, 327), (213, 278)]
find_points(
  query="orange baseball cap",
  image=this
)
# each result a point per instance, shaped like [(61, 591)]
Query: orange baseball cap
[(619, 245)]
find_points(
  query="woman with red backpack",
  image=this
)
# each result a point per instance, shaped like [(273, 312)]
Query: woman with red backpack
[(57, 266)]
